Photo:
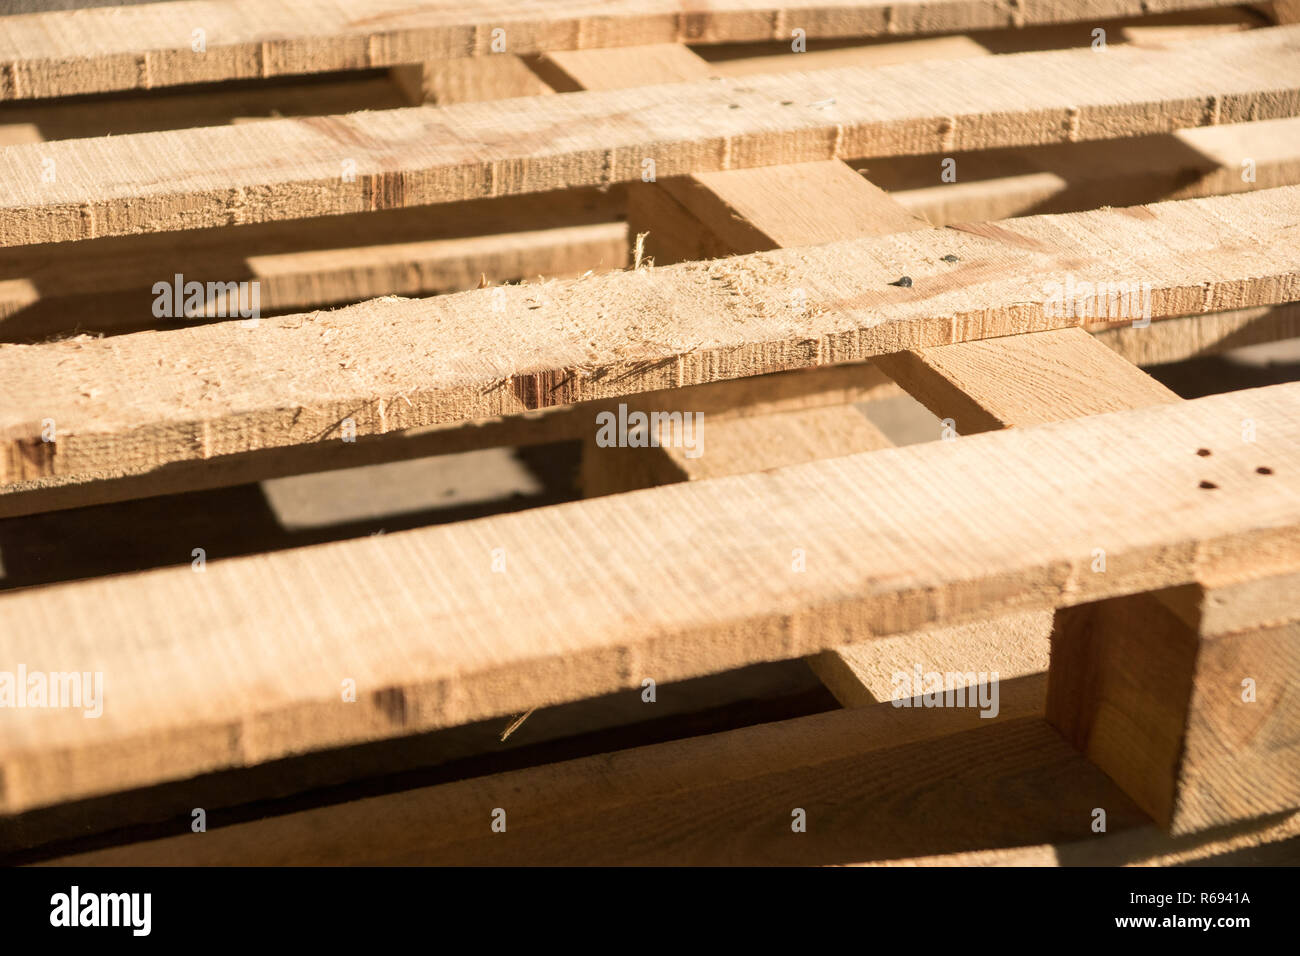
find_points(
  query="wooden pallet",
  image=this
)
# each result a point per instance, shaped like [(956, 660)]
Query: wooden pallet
[(503, 229)]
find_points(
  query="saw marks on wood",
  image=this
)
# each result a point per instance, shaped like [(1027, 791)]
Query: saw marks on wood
[(136, 402), (596, 595), (297, 168), (92, 50), (1023, 380)]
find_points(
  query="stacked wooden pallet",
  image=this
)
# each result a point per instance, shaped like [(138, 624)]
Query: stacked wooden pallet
[(766, 214)]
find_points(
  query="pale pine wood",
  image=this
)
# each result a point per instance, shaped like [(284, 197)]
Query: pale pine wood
[(292, 168), (134, 403), (1270, 841), (617, 721), (776, 393), (1150, 687), (1177, 339), (753, 210), (140, 47), (774, 58), (617, 69), (997, 383), (1023, 380), (998, 184), (577, 801), (468, 80), (47, 120), (876, 784), (1011, 646), (730, 447), (739, 211), (742, 211), (1184, 164), (106, 285), (598, 594)]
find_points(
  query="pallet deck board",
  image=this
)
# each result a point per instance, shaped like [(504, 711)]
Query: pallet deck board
[(296, 168), (91, 50), (711, 801), (776, 393), (598, 594), (136, 402)]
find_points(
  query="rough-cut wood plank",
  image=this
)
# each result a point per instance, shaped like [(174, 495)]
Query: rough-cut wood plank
[(1122, 670), (140, 47), (996, 383), (107, 285), (1177, 339), (411, 825), (1188, 699), (1271, 841), (1192, 26), (1011, 646), (1185, 164), (137, 402), (468, 80), (997, 184), (1023, 380), (740, 211), (728, 447), (716, 703), (737, 212), (760, 395), (821, 54), (876, 784), (597, 595), (292, 168), (805, 204), (778, 57), (574, 71), (43, 121)]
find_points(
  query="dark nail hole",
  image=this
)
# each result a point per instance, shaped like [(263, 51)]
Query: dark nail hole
[(1263, 470), (905, 282), (1208, 485), (950, 258), (1203, 452)]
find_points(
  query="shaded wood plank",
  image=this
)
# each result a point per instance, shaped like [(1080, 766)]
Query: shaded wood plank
[(1177, 339), (562, 813), (107, 285), (1185, 164), (597, 595), (875, 784), (1187, 698)]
